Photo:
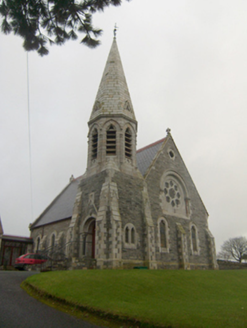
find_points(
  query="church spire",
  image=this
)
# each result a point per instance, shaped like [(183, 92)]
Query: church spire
[(113, 95), (112, 125)]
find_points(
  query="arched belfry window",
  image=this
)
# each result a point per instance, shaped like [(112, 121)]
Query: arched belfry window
[(94, 144), (128, 143), (111, 141)]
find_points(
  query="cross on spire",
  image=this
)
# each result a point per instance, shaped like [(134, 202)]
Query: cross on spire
[(115, 31)]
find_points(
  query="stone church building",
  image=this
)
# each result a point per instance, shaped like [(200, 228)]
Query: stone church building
[(131, 208)]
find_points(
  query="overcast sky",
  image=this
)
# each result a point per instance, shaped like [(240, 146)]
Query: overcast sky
[(185, 63)]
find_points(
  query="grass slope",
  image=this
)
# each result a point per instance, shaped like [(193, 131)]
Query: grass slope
[(162, 298)]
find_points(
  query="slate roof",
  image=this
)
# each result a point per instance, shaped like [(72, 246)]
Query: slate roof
[(17, 239), (145, 156), (113, 93), (62, 206)]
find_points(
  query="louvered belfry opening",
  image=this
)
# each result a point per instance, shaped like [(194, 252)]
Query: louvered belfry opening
[(94, 144), (111, 141), (128, 143)]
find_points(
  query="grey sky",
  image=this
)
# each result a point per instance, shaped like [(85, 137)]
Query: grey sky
[(185, 65)]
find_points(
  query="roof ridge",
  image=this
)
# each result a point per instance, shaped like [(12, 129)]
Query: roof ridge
[(4, 235), (53, 202), (151, 145)]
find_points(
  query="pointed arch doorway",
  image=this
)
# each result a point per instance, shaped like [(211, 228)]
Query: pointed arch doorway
[(89, 238)]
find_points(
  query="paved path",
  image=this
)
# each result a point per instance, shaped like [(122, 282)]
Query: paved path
[(19, 310)]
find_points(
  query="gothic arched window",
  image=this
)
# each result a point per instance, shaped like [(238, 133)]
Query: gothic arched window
[(129, 236), (111, 141), (172, 192), (37, 244), (52, 241), (128, 143), (163, 241), (132, 235), (94, 144), (194, 241), (163, 236)]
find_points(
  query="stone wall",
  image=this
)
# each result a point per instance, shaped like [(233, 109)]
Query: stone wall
[(229, 265), (191, 212), (45, 233)]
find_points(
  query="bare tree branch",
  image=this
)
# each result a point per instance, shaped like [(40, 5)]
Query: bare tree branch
[(234, 248)]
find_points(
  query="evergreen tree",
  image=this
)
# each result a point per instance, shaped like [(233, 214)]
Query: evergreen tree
[(40, 22)]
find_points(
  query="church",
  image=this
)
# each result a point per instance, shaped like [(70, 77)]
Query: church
[(131, 208)]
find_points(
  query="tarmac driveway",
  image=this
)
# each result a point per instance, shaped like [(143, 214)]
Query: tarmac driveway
[(18, 309)]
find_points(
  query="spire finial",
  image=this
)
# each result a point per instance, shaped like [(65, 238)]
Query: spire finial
[(115, 31), (168, 131)]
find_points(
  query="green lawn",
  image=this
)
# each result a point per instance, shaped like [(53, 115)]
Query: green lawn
[(163, 298)]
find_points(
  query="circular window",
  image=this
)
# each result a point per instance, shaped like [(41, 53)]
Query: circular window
[(171, 154), (172, 193)]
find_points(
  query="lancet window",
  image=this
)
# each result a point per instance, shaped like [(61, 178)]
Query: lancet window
[(194, 241), (111, 141), (163, 235), (129, 236), (37, 244), (163, 241), (128, 143), (94, 144), (132, 235)]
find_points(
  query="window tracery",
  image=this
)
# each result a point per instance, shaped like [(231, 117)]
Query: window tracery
[(172, 193), (174, 197)]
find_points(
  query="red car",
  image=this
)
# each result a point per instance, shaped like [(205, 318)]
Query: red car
[(24, 261)]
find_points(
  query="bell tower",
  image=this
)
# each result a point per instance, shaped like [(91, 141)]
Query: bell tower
[(112, 124)]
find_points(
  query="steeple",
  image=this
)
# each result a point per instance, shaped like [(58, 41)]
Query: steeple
[(112, 124), (113, 95)]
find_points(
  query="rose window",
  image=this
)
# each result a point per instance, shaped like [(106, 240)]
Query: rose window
[(172, 193)]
